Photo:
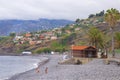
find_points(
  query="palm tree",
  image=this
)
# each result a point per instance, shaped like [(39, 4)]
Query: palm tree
[(105, 43), (117, 39), (95, 37), (111, 17), (98, 39)]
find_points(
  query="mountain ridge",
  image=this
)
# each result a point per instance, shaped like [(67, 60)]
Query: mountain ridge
[(20, 26)]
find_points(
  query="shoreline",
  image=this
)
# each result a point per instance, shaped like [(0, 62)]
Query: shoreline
[(17, 54), (11, 54), (40, 63)]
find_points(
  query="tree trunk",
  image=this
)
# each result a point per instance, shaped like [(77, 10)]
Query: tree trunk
[(113, 51)]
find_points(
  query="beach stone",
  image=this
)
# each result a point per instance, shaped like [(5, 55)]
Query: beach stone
[(94, 70)]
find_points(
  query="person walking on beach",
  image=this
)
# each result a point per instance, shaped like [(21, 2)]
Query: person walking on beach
[(46, 70), (38, 69)]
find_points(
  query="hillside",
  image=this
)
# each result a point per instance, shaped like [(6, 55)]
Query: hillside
[(22, 26), (57, 39), (39, 42)]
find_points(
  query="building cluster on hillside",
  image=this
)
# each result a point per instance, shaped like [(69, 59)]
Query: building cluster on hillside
[(43, 36), (35, 38)]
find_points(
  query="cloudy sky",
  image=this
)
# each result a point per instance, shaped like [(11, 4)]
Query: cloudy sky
[(53, 9)]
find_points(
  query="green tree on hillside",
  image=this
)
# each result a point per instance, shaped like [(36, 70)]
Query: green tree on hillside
[(77, 20), (100, 14), (57, 46), (12, 34), (91, 16), (111, 17), (63, 30)]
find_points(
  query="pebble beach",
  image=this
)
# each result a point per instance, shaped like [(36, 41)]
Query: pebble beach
[(94, 70)]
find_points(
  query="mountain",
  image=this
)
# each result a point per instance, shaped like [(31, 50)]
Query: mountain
[(20, 26)]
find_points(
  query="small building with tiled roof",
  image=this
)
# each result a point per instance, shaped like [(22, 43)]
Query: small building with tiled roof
[(83, 54), (84, 51)]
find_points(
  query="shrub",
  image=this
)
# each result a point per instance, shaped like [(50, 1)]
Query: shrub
[(78, 62), (43, 50)]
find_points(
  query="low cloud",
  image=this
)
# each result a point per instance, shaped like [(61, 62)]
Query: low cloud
[(53, 9)]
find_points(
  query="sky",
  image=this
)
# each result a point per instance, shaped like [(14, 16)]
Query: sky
[(53, 9)]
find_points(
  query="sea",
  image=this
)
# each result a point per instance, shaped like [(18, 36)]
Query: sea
[(11, 65)]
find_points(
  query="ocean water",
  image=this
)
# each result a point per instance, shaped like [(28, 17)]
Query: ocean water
[(11, 65)]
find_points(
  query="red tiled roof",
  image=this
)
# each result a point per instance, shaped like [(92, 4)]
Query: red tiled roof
[(79, 47), (28, 35), (41, 36)]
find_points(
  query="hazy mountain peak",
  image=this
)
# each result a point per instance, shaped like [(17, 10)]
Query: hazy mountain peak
[(19, 26)]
